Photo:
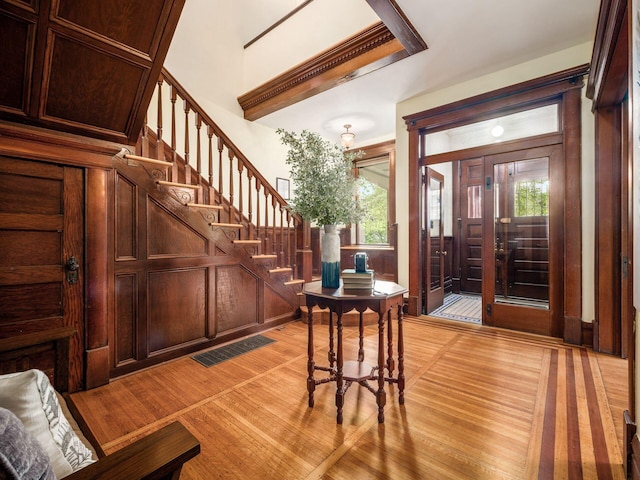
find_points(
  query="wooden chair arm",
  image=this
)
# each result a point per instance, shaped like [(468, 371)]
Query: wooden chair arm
[(159, 455)]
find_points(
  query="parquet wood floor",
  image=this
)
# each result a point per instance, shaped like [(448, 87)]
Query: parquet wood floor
[(481, 403)]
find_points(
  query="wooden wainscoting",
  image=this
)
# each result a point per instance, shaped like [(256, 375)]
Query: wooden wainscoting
[(178, 288)]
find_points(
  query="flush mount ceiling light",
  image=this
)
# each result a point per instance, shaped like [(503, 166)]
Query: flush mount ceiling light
[(347, 137), (497, 131)]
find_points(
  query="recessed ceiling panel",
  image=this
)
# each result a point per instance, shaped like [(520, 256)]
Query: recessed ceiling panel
[(118, 20), (90, 87)]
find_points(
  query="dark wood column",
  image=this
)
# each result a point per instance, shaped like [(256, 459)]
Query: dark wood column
[(572, 218), (97, 319), (607, 337), (415, 237)]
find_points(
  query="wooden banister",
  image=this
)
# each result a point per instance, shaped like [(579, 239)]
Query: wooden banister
[(223, 139), (240, 193)]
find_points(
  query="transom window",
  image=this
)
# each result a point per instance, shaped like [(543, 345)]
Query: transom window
[(528, 123)]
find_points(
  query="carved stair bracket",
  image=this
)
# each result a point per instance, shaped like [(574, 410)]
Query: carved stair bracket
[(209, 215), (183, 196), (230, 233)]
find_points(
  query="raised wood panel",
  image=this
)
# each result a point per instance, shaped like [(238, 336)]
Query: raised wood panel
[(83, 67), (176, 307), (16, 37), (43, 357), (470, 197), (118, 20), (167, 236), (37, 248), (38, 303), (125, 318), (236, 298), (274, 305), (30, 194), (101, 102), (126, 219)]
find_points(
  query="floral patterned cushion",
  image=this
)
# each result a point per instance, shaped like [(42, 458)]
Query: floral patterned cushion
[(30, 396)]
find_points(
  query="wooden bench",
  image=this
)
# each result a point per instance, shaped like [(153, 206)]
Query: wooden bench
[(159, 455)]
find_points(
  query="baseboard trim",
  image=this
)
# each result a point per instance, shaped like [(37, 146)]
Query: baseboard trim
[(587, 334)]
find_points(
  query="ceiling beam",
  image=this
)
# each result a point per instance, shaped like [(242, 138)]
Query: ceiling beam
[(396, 21), (375, 47), (368, 50)]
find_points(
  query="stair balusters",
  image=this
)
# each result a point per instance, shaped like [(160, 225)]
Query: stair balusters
[(194, 164)]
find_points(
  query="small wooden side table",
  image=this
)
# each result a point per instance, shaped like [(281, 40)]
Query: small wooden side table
[(382, 298)]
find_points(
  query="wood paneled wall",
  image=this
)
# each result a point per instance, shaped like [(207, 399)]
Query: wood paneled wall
[(176, 289)]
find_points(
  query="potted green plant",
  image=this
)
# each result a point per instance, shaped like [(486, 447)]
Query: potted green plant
[(325, 191)]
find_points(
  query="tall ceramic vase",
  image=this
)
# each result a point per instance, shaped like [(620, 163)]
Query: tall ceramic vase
[(330, 257)]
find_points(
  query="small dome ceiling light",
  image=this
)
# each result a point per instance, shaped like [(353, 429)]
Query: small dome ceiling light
[(497, 131)]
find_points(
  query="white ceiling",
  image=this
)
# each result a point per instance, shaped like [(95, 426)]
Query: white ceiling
[(466, 39)]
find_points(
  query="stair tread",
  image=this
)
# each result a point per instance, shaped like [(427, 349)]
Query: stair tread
[(294, 282), (280, 270), (147, 160), (264, 256), (247, 242), (229, 225), (176, 184), (205, 205)]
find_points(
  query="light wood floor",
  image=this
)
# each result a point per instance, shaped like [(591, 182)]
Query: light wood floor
[(481, 403)]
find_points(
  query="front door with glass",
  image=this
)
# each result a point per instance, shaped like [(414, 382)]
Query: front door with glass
[(434, 240), (522, 239)]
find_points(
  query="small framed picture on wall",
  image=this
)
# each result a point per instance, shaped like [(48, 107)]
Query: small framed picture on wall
[(282, 186)]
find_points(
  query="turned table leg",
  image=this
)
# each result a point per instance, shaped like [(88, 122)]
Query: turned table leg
[(339, 380), (381, 396), (311, 383), (332, 352), (361, 339), (400, 358), (390, 363)]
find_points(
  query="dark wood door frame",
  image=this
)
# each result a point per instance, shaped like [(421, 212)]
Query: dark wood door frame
[(563, 87), (611, 82)]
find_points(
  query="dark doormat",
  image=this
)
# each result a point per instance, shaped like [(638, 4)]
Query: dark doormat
[(213, 357)]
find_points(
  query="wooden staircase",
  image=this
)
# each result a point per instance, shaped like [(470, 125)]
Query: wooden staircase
[(191, 198)]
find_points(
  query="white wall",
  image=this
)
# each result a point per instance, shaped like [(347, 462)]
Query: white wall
[(546, 65), (321, 23), (213, 73)]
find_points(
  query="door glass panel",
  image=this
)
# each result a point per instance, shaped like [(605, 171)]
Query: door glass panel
[(434, 231), (521, 232), (474, 201)]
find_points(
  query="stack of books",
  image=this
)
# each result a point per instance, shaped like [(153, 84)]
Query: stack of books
[(352, 280)]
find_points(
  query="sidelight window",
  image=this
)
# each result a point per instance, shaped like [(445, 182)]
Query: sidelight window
[(373, 194)]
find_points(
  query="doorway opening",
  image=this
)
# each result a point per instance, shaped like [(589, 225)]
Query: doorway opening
[(514, 161)]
